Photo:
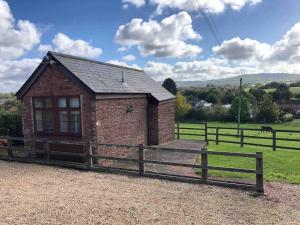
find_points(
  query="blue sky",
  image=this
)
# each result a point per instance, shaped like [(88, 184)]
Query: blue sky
[(169, 39)]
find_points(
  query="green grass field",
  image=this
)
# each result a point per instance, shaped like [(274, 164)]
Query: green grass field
[(282, 165), (294, 90)]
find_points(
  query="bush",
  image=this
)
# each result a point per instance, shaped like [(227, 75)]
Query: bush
[(10, 124), (218, 113), (182, 107), (289, 110), (287, 117), (297, 95), (198, 114), (245, 109), (267, 111)]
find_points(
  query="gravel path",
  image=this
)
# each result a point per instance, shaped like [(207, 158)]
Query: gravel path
[(33, 194)]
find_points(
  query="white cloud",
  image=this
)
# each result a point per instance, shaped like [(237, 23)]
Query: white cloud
[(122, 49), (45, 48), (15, 38), (121, 63), (128, 58), (14, 73), (215, 68), (211, 68), (285, 50), (136, 3), (64, 44), (237, 49), (211, 6), (162, 39), (159, 71), (288, 48)]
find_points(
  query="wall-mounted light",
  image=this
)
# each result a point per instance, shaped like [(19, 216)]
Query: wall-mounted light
[(129, 108)]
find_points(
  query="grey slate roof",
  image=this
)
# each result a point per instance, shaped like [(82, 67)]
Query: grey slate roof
[(107, 78)]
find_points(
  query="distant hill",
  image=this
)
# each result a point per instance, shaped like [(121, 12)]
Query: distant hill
[(262, 78)]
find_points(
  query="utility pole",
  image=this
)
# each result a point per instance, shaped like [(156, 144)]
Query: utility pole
[(240, 105)]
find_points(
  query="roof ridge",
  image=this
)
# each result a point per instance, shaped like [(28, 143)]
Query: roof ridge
[(51, 53)]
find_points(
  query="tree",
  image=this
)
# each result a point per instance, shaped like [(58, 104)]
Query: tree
[(282, 93), (228, 96), (170, 85), (212, 98), (258, 93), (182, 107), (267, 110), (245, 109)]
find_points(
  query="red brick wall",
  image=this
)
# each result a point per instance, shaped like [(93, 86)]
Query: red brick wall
[(153, 124), (166, 119), (161, 122), (53, 83), (116, 125)]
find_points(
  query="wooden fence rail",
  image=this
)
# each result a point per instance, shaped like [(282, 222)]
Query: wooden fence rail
[(180, 132), (90, 157)]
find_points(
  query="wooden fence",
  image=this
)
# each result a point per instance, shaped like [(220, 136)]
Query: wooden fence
[(91, 158), (205, 136)]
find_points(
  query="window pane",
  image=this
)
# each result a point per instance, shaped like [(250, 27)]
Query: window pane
[(62, 102), (63, 121), (38, 120), (49, 121), (75, 122), (38, 103), (74, 102), (48, 102)]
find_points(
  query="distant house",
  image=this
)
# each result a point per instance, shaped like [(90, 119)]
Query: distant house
[(226, 106), (13, 109), (292, 105), (72, 98), (203, 104)]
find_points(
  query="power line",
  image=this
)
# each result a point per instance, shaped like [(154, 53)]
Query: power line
[(212, 26)]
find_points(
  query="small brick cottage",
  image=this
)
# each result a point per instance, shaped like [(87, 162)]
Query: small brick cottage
[(73, 98)]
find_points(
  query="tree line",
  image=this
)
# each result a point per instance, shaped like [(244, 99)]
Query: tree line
[(256, 104)]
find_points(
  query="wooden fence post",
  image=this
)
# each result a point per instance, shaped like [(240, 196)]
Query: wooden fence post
[(178, 130), (274, 140), (217, 135), (141, 159), (46, 152), (206, 135), (89, 158), (242, 137), (259, 172), (204, 164), (9, 148)]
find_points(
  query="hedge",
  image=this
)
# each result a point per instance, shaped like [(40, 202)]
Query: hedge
[(10, 124)]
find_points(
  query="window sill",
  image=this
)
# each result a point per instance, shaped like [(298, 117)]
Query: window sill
[(51, 134)]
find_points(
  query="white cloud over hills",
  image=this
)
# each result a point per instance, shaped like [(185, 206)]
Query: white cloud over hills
[(237, 56)]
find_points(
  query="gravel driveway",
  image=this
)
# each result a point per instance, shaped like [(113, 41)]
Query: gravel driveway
[(33, 194)]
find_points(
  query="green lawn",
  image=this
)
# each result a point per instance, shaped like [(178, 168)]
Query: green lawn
[(294, 90), (281, 165)]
